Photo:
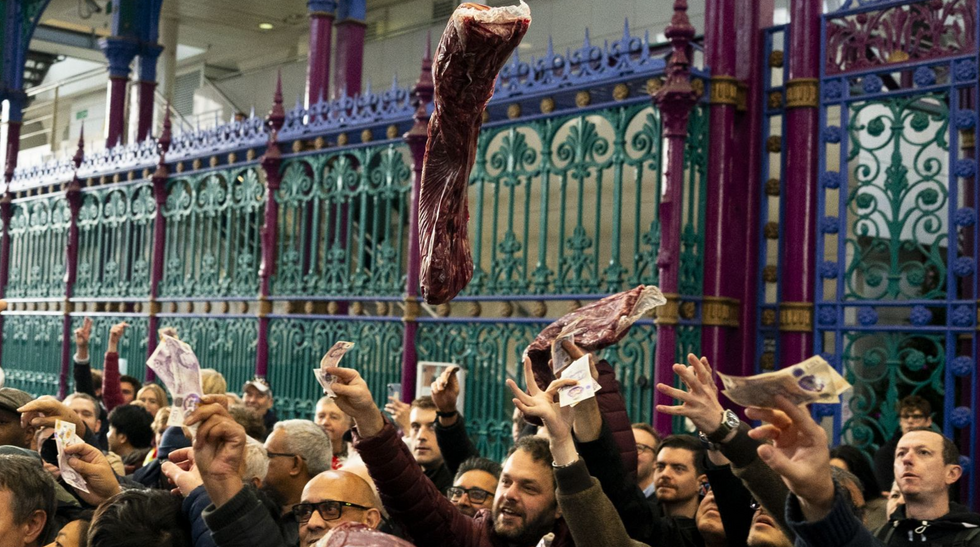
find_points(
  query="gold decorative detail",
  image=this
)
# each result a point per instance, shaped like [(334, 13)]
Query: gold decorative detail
[(774, 144), (574, 305), (583, 99), (775, 99), (513, 111), (443, 310), (180, 167), (776, 58), (173, 307), (802, 92), (767, 361), (898, 56), (412, 309), (297, 145), (243, 307), (382, 308), (771, 230), (115, 178), (724, 90), (669, 313), (308, 307), (333, 308), (189, 307), (225, 307), (769, 273), (357, 308), (196, 164), (688, 310), (475, 309), (654, 85), (967, 139), (796, 317), (768, 317), (265, 307), (146, 173), (539, 308), (319, 143), (232, 158), (507, 309), (213, 162), (207, 307), (392, 131), (772, 187), (153, 308), (366, 135), (742, 99), (342, 139), (718, 311), (547, 105), (621, 92), (250, 154), (697, 84), (292, 306), (486, 117)]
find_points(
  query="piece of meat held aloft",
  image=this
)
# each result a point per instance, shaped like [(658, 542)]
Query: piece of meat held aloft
[(596, 326), (477, 42)]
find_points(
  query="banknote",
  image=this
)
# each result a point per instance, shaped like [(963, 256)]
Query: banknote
[(559, 357), (812, 381), (176, 365), (331, 359), (579, 371), (65, 436)]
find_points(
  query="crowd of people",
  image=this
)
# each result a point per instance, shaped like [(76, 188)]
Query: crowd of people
[(409, 474)]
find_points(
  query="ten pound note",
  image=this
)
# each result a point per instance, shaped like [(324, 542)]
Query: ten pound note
[(65, 436), (812, 381), (331, 359), (176, 365)]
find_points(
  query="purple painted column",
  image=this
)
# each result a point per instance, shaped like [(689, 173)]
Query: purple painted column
[(675, 100), (271, 162), (800, 200), (148, 84), (120, 52), (321, 29), (159, 240), (724, 232), (752, 16), (74, 196), (348, 60), (16, 101), (416, 139)]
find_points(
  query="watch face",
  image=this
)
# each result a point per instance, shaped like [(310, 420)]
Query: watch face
[(731, 419)]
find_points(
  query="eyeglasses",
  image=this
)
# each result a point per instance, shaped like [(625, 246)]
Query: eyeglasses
[(640, 448), (477, 495), (281, 455), (704, 488), (329, 509)]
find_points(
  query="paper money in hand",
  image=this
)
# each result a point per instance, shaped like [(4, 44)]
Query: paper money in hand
[(65, 436), (176, 365), (331, 359), (812, 381), (585, 389)]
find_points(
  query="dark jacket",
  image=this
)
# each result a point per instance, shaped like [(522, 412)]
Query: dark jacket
[(269, 420), (193, 508), (440, 476), (411, 499), (734, 503), (945, 530), (82, 375), (243, 522), (455, 445), (763, 483), (885, 463), (592, 521)]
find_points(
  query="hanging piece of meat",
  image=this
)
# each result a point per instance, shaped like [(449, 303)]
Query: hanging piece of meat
[(477, 42), (596, 326)]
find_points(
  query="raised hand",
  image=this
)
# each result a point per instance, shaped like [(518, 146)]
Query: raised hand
[(799, 454), (82, 336), (354, 397), (182, 471), (93, 466), (542, 405), (219, 449), (700, 402), (115, 334), (587, 418), (400, 412), (445, 391), (45, 411)]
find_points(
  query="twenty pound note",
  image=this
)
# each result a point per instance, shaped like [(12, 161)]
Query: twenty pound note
[(581, 373), (331, 359), (812, 381), (65, 436), (176, 365)]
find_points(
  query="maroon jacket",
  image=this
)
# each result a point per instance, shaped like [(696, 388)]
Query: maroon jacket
[(411, 498)]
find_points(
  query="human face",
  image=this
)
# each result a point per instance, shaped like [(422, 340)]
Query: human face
[(423, 437), (149, 399), (87, 412), (128, 392), (474, 479), (17, 534), (280, 468), (765, 533), (115, 442), (70, 535), (524, 507), (334, 422), (675, 475), (894, 499), (342, 487), (11, 432), (919, 468), (708, 519), (259, 402), (912, 418), (646, 445)]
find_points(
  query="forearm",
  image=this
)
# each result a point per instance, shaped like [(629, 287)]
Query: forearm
[(111, 388), (82, 374), (588, 421), (369, 423), (221, 491), (591, 517), (454, 443)]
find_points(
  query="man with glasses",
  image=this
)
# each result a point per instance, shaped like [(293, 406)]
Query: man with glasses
[(476, 481), (914, 412), (332, 498), (647, 442)]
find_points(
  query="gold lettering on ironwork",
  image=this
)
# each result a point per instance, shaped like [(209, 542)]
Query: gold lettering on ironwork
[(796, 317), (621, 92), (719, 311), (724, 90), (668, 314), (776, 59), (802, 93)]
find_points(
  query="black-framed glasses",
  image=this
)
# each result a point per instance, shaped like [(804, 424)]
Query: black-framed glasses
[(328, 509), (281, 455), (477, 495), (641, 448)]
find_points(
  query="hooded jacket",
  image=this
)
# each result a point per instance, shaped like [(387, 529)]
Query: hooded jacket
[(946, 530)]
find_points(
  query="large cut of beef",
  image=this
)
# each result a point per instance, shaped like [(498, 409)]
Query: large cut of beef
[(596, 326), (476, 44)]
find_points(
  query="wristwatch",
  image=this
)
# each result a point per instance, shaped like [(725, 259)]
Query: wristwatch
[(729, 423), (451, 414)]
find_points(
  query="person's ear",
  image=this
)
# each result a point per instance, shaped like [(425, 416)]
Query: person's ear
[(372, 517), (34, 526), (702, 478), (98, 426), (256, 482), (298, 465), (953, 473), (121, 438)]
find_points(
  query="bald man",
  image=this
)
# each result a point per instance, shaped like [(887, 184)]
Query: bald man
[(332, 498)]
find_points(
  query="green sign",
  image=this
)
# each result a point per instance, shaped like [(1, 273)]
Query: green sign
[(81, 114)]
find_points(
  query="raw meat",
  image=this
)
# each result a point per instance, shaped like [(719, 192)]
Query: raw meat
[(596, 326), (477, 42)]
